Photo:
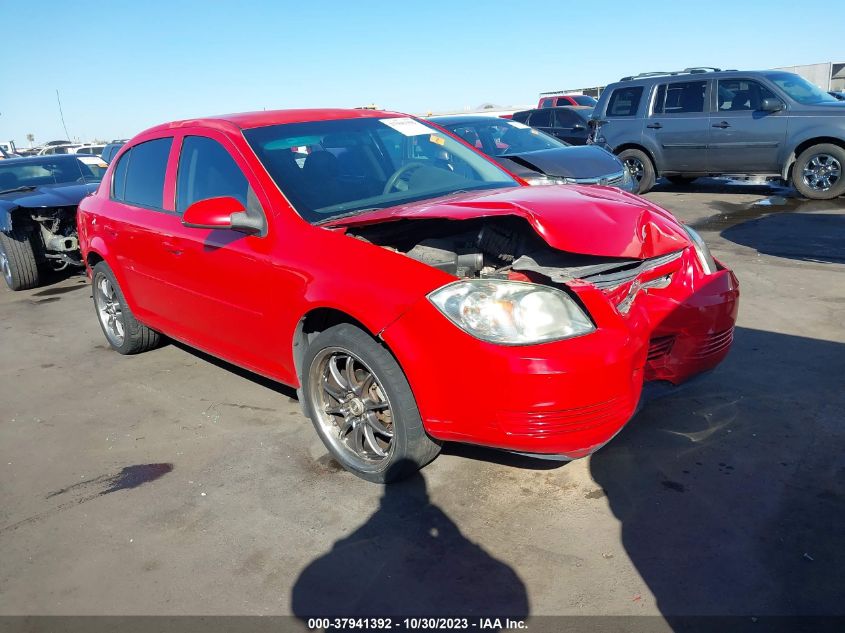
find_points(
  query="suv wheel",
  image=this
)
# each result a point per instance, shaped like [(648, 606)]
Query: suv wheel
[(818, 172), (642, 170), (17, 261), (362, 407)]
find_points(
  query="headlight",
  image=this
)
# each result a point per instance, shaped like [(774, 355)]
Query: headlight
[(511, 312), (626, 177), (548, 180), (705, 258)]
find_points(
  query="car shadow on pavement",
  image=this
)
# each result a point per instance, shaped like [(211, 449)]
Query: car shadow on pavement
[(408, 559), (811, 237), (258, 379), (731, 494), (723, 185)]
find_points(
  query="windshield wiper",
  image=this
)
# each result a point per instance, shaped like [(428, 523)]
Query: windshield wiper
[(24, 188), (347, 215)]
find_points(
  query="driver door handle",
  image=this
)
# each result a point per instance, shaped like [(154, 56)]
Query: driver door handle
[(655, 126), (722, 125)]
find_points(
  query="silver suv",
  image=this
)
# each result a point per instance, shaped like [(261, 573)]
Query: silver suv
[(709, 122)]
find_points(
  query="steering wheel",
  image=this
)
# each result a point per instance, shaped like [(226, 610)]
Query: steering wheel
[(394, 178)]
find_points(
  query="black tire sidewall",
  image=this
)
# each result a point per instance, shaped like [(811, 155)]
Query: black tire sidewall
[(412, 448), (649, 175), (17, 245), (798, 168), (135, 339)]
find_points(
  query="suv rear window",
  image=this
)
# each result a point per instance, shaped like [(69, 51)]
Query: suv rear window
[(625, 101), (139, 176)]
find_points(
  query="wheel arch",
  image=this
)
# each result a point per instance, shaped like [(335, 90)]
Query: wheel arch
[(316, 320), (786, 174)]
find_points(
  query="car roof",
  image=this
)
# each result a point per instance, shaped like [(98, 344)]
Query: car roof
[(695, 74), (248, 120), (458, 119), (43, 158)]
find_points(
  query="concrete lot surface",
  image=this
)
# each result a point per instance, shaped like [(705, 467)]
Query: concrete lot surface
[(171, 483)]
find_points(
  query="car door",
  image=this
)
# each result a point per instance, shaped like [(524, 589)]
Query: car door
[(678, 126), (743, 137), (569, 126), (224, 277)]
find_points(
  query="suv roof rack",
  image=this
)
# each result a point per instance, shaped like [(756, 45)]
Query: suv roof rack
[(686, 71)]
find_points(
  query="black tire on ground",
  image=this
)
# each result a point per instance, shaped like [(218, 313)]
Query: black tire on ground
[(680, 181), (641, 168), (137, 337), (17, 260), (411, 447), (824, 163)]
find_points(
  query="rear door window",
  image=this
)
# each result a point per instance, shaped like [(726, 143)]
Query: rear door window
[(139, 176), (566, 119), (680, 98), (541, 118), (624, 101)]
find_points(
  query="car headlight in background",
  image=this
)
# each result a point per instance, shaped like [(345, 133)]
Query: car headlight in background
[(702, 251), (627, 179), (511, 312), (548, 180)]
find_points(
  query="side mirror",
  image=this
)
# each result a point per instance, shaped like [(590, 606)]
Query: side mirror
[(771, 105), (220, 213)]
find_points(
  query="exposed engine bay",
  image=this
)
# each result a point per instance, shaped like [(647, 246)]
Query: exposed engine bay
[(53, 228), (497, 247)]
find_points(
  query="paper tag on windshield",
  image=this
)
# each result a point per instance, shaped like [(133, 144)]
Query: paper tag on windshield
[(518, 124), (407, 126)]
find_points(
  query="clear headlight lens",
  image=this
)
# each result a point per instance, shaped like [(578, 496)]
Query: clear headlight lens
[(705, 258), (548, 180), (626, 177), (511, 312)]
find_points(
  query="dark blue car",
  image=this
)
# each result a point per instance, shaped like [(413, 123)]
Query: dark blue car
[(38, 200)]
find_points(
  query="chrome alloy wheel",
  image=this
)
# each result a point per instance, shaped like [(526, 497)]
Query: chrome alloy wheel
[(351, 406), (635, 167), (5, 267), (109, 310), (822, 172)]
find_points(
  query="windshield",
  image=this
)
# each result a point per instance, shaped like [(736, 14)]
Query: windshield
[(499, 137), (584, 100), (50, 170), (327, 169), (800, 89)]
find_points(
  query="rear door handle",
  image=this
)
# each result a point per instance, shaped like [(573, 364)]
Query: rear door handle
[(655, 126), (722, 125)]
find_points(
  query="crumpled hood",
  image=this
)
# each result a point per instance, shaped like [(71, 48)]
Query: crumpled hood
[(586, 161), (66, 195), (588, 220)]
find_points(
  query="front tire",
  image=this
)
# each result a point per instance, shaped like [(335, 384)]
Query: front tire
[(17, 261), (123, 331), (641, 168), (818, 172), (362, 406)]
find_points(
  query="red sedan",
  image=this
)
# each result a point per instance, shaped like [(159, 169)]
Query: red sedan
[(411, 289)]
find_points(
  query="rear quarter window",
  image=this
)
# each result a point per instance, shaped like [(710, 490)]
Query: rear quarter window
[(624, 101)]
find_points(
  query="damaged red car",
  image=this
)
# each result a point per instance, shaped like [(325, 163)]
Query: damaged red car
[(413, 291)]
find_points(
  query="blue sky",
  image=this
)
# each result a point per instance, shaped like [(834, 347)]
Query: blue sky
[(122, 66)]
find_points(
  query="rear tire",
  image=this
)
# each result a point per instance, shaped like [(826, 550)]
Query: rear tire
[(370, 423), (819, 172), (123, 331), (641, 168), (17, 261)]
